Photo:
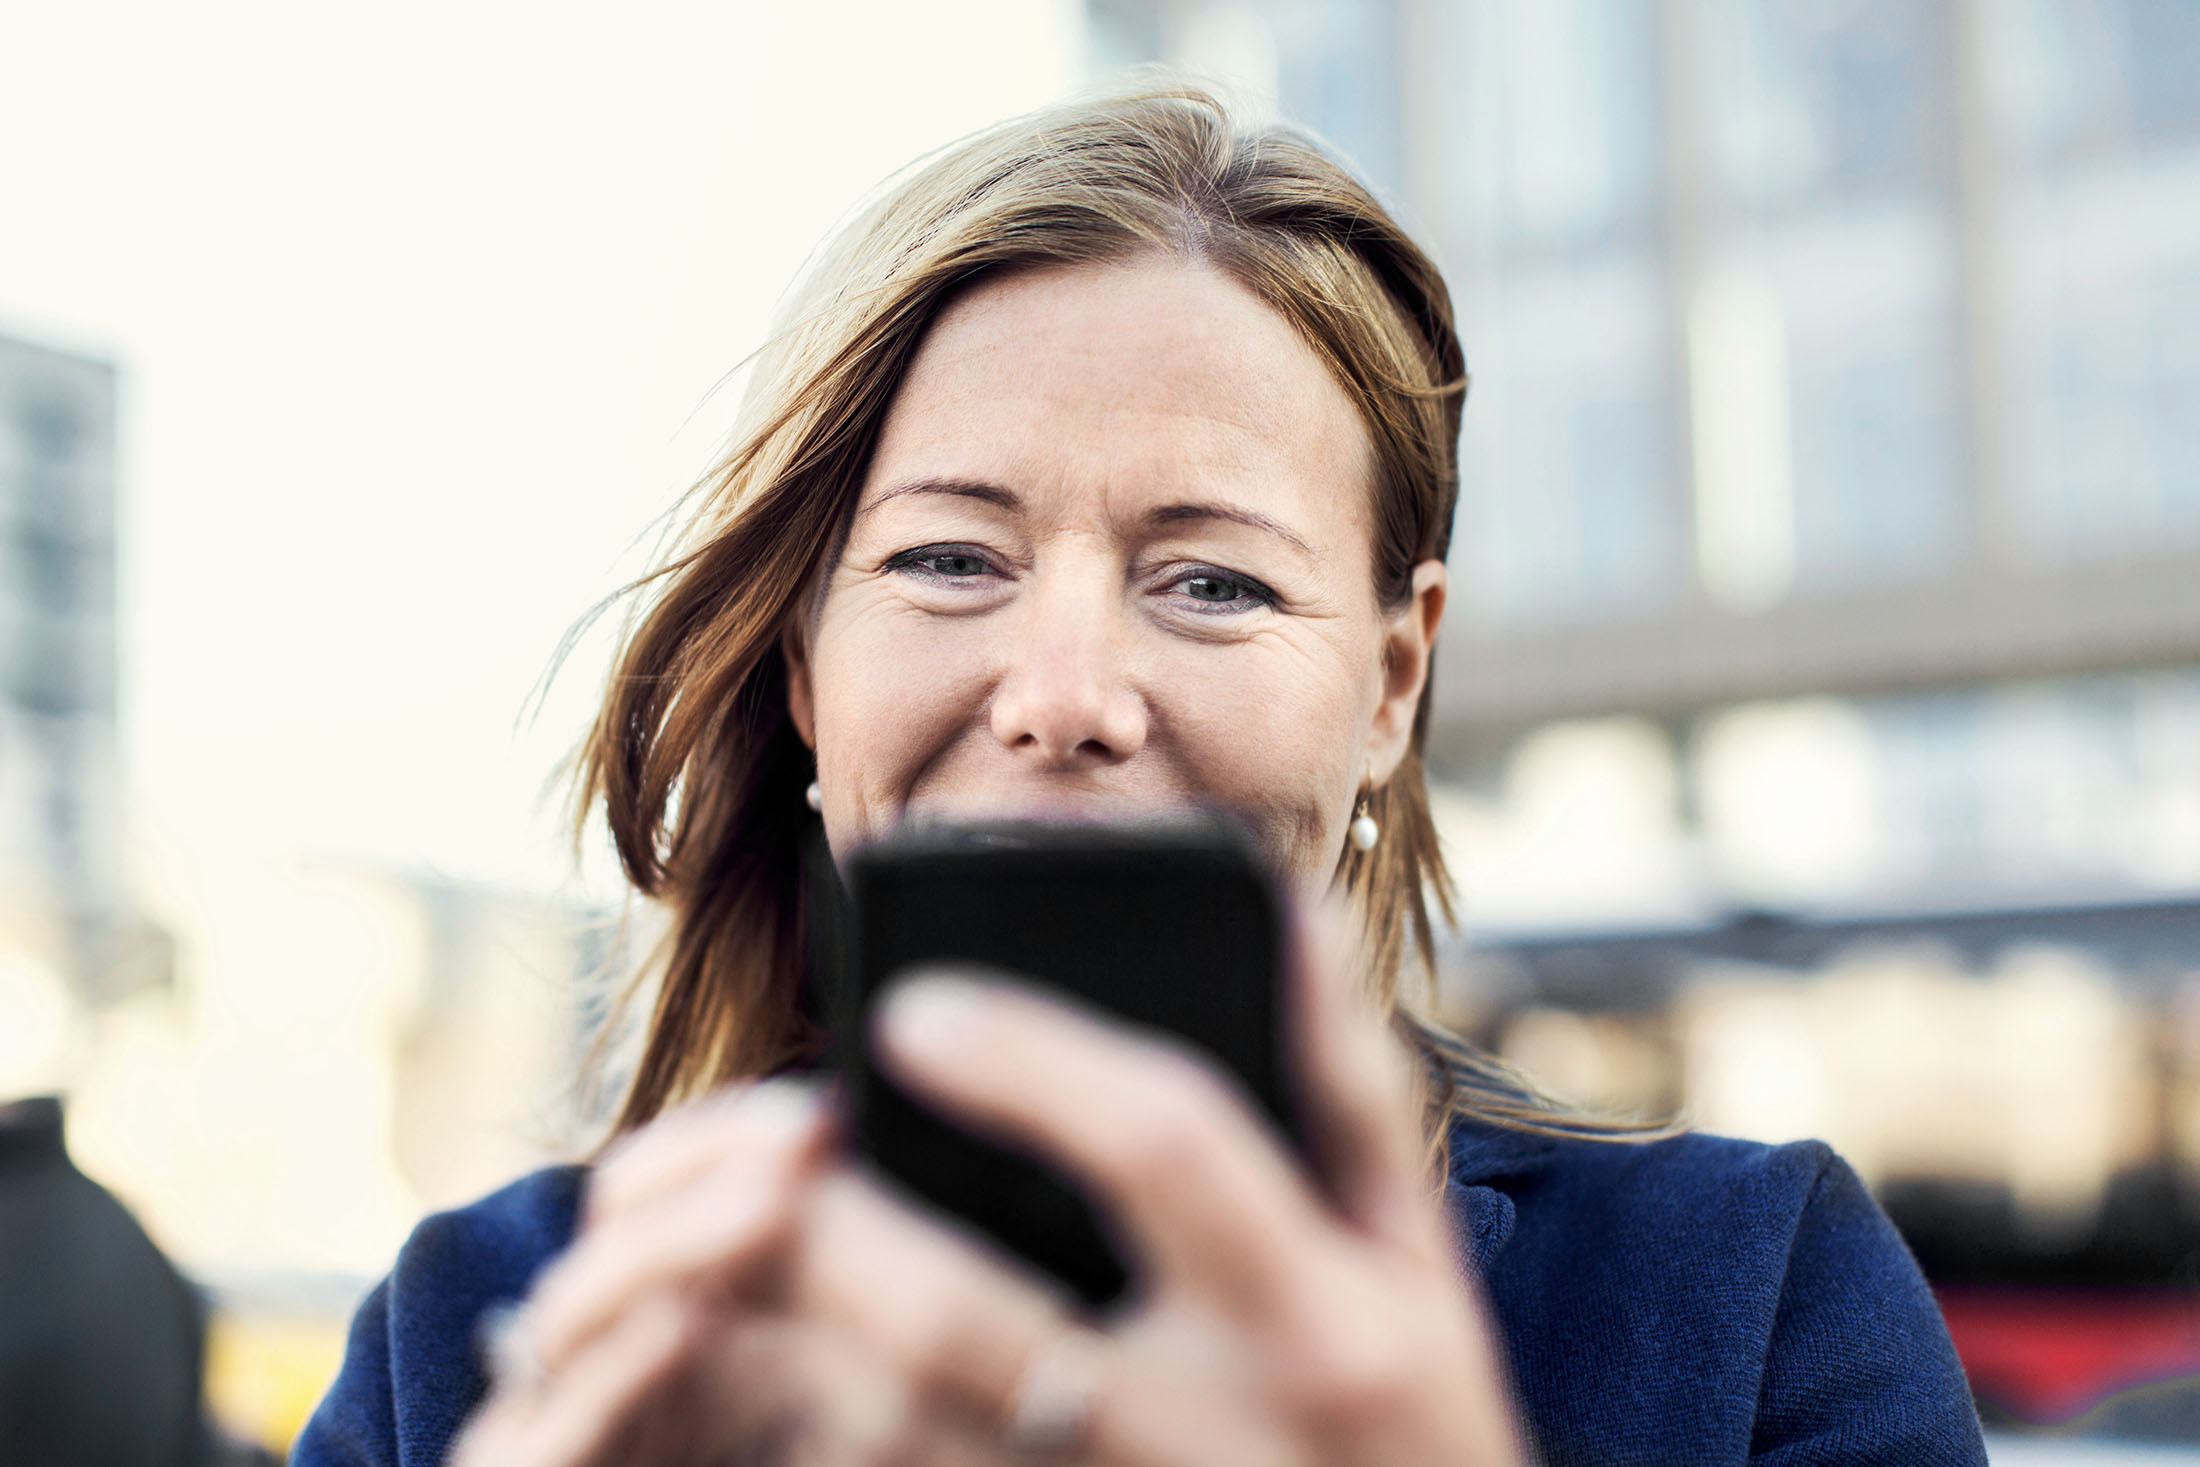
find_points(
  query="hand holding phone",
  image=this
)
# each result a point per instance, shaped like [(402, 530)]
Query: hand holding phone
[(1172, 928)]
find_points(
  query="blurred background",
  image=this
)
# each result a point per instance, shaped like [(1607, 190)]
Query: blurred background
[(1819, 711)]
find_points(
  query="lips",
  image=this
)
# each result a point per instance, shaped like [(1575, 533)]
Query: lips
[(1051, 810)]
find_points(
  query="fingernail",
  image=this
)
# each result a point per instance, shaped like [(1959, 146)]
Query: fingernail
[(507, 1347), (932, 1013), (782, 1109)]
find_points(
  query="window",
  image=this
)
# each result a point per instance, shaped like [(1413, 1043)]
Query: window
[(1830, 232), (1549, 116), (2097, 107)]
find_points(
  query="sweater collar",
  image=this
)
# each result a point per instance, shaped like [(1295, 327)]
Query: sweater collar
[(1482, 1215), (1480, 1152)]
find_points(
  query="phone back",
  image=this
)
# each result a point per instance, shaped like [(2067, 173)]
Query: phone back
[(1169, 928)]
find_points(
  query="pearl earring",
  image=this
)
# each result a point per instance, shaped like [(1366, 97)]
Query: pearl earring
[(814, 797), (1365, 832)]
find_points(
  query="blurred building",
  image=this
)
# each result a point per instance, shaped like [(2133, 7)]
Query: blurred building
[(1819, 700), (343, 1049), (63, 901), (1819, 345), (422, 1035)]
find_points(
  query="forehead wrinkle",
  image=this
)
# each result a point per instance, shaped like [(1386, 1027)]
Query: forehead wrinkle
[(1188, 435), (1214, 447), (1234, 391)]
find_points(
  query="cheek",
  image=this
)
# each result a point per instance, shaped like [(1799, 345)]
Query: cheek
[(1272, 730), (891, 690)]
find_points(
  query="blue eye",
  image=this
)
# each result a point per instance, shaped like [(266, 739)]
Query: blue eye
[(941, 562), (1222, 591)]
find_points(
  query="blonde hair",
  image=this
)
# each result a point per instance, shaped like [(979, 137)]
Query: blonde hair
[(693, 758)]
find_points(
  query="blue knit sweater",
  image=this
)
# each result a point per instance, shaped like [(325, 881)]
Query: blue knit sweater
[(1686, 1303)]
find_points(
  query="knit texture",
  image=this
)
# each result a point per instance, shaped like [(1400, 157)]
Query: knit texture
[(1687, 1303), (412, 1368)]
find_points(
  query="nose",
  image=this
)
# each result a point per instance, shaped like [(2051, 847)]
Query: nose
[(1064, 699)]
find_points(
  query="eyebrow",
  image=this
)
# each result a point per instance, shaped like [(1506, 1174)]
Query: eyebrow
[(1208, 509), (960, 488), (1166, 514)]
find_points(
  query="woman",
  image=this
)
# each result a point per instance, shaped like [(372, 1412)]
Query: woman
[(1105, 469)]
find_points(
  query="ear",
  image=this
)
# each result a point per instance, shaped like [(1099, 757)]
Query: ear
[(1409, 646), (794, 650)]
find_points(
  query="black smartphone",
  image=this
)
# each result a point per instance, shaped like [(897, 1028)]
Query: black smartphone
[(1175, 928)]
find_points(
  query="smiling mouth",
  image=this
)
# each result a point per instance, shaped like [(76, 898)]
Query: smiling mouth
[(1076, 824), (1058, 810)]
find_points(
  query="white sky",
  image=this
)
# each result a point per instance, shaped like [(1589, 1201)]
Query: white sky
[(415, 305)]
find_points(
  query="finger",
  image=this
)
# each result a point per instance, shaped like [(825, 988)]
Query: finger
[(585, 1414), (789, 1393), (1168, 1144), (967, 1328), (800, 1392), (937, 1305), (708, 1240), (681, 1145), (960, 1322), (716, 1235), (1356, 1090)]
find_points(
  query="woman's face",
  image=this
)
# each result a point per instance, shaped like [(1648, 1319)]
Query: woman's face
[(1112, 559)]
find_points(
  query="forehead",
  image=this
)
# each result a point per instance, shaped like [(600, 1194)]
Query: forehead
[(1153, 376)]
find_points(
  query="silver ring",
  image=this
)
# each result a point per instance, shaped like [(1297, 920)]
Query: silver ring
[(1050, 1410)]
